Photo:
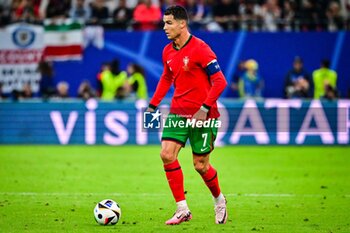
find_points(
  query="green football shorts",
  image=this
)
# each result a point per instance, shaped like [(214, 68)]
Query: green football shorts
[(179, 129)]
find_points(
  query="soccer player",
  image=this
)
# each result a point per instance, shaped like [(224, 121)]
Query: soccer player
[(191, 66)]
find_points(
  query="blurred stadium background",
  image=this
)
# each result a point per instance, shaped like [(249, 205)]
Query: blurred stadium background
[(54, 56)]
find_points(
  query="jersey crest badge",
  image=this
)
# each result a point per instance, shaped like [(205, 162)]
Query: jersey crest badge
[(186, 60)]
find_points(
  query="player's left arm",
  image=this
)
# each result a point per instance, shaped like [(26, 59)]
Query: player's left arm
[(217, 79), (218, 83)]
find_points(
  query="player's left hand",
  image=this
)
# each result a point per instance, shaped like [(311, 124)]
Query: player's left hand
[(200, 115), (150, 109)]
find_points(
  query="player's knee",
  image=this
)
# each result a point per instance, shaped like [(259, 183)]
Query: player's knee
[(201, 166), (167, 156)]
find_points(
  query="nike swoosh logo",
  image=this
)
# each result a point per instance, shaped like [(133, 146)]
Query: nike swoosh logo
[(168, 61), (203, 149), (178, 217), (223, 219)]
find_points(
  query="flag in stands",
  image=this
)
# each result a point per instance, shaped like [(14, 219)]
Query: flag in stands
[(63, 40)]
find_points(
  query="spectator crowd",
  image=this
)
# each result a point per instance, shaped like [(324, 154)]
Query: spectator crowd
[(116, 84), (112, 84), (298, 82), (209, 15)]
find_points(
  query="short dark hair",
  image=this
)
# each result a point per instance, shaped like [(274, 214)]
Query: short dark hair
[(325, 63), (178, 12), (114, 66), (138, 68)]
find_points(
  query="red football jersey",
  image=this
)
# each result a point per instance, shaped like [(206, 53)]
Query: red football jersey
[(196, 76)]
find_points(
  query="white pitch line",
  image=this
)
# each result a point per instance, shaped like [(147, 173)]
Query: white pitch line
[(286, 195)]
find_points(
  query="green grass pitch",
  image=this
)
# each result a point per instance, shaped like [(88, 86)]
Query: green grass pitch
[(269, 189)]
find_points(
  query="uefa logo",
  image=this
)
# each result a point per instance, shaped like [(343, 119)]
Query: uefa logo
[(152, 120)]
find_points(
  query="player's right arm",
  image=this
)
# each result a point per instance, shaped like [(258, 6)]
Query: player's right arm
[(164, 84)]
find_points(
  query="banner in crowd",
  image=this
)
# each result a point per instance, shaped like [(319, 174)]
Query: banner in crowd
[(21, 47), (63, 40), (269, 122)]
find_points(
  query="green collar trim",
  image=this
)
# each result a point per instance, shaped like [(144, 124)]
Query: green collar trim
[(177, 49)]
